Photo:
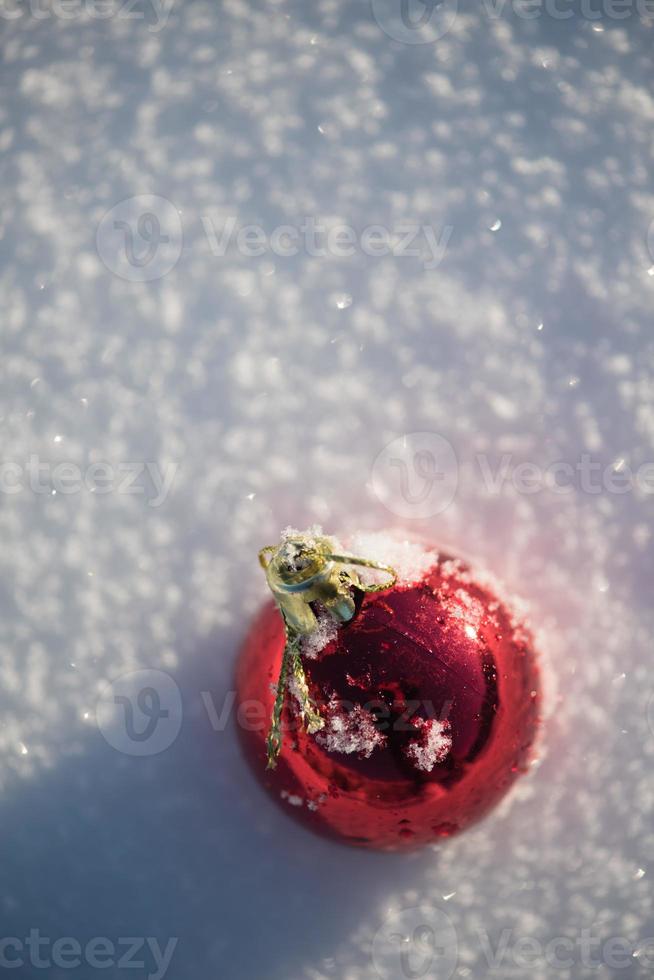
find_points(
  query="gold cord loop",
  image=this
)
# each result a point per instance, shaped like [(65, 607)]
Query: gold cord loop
[(367, 563)]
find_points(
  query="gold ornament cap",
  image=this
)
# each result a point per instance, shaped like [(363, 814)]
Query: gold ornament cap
[(304, 568)]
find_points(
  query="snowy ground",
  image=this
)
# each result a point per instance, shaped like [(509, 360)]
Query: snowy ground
[(261, 390)]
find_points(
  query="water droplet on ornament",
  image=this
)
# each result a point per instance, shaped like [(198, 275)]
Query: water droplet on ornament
[(496, 225), (342, 301)]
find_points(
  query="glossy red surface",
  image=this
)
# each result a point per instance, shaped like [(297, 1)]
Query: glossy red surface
[(443, 654)]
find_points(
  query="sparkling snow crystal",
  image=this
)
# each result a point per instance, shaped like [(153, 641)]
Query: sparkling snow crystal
[(350, 731), (432, 745), (326, 631)]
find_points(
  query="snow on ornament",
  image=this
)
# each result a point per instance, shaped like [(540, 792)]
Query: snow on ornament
[(403, 696)]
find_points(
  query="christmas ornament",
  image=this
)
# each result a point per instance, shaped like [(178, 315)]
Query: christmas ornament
[(387, 698)]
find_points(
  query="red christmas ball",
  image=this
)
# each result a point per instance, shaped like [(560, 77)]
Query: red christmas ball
[(430, 703)]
